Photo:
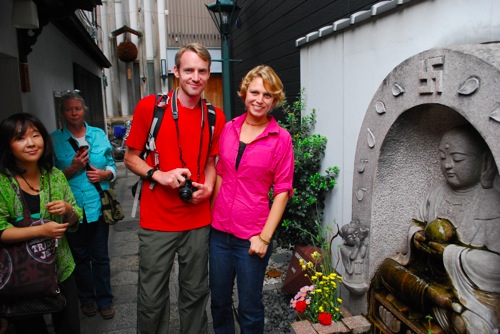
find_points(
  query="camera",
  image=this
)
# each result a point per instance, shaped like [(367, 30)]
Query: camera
[(186, 190)]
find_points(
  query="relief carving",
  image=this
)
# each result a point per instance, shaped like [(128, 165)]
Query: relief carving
[(370, 138), (362, 165), (431, 75), (397, 89), (380, 107), (495, 115), (469, 86)]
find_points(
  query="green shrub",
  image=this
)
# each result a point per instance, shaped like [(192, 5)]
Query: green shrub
[(305, 209)]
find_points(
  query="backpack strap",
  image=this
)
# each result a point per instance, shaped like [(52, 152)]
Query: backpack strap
[(211, 120), (161, 103)]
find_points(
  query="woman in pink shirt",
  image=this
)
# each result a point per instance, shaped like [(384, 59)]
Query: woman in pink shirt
[(255, 155)]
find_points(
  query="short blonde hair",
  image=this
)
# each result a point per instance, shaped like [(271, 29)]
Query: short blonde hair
[(271, 82)]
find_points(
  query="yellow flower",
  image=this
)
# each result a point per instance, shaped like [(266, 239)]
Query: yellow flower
[(316, 255), (310, 265), (301, 262), (313, 278), (319, 273), (304, 267), (339, 300), (337, 309), (321, 309), (318, 290)]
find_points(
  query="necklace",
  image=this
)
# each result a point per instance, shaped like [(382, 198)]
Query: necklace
[(267, 121), (29, 185)]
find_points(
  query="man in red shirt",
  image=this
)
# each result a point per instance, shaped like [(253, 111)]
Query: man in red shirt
[(174, 215)]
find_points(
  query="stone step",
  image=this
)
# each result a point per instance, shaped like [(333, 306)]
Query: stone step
[(352, 324)]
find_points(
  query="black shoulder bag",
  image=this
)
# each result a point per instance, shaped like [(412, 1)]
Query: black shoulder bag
[(28, 275)]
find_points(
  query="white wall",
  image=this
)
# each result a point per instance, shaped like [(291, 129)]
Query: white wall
[(50, 69), (342, 71)]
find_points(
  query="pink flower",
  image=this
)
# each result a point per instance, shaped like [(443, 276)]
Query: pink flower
[(325, 319), (301, 306)]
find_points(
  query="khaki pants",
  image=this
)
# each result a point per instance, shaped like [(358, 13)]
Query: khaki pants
[(157, 252)]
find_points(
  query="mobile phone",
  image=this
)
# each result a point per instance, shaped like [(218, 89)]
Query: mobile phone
[(82, 149)]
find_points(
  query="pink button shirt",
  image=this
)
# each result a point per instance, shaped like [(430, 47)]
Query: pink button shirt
[(242, 204)]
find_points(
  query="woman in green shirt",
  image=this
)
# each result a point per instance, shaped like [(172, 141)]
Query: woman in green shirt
[(26, 162)]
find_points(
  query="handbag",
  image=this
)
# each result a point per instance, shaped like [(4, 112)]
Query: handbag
[(28, 275), (112, 211)]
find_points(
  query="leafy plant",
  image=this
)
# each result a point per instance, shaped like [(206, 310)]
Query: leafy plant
[(306, 206)]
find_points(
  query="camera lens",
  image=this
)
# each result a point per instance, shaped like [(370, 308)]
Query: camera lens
[(186, 191)]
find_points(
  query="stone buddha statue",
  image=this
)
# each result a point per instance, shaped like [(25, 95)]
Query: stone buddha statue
[(451, 269)]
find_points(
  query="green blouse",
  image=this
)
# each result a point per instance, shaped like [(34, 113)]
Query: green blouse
[(11, 208)]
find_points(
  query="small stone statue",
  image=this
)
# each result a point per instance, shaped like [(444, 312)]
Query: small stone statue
[(452, 266), (353, 253)]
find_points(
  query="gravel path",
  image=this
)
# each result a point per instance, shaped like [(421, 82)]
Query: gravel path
[(278, 314)]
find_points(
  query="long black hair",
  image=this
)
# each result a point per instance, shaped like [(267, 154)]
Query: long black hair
[(15, 126)]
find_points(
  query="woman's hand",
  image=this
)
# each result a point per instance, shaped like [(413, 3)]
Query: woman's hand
[(59, 208), (54, 230), (257, 247), (97, 175), (80, 160)]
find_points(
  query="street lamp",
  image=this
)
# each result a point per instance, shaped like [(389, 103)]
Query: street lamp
[(224, 14)]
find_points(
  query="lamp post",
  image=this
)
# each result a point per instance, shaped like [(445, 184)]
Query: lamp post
[(224, 14)]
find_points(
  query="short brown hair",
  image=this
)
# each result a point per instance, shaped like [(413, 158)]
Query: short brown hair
[(197, 48)]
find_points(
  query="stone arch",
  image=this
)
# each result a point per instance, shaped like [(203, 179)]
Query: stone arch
[(396, 157)]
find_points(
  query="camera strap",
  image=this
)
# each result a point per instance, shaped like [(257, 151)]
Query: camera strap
[(175, 116)]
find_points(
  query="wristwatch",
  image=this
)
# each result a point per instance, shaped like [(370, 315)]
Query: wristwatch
[(149, 174)]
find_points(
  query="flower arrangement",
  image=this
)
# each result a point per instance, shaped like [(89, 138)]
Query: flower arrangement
[(319, 302)]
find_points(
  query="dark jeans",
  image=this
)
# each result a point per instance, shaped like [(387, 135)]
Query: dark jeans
[(229, 259), (89, 246), (65, 321)]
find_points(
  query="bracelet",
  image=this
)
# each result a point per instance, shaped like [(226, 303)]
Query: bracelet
[(264, 241)]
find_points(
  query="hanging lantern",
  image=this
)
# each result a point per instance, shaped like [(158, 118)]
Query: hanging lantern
[(126, 51)]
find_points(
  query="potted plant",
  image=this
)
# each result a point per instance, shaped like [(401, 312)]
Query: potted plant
[(318, 300)]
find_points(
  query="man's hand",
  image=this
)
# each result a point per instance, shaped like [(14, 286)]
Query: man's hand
[(173, 178), (203, 193)]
